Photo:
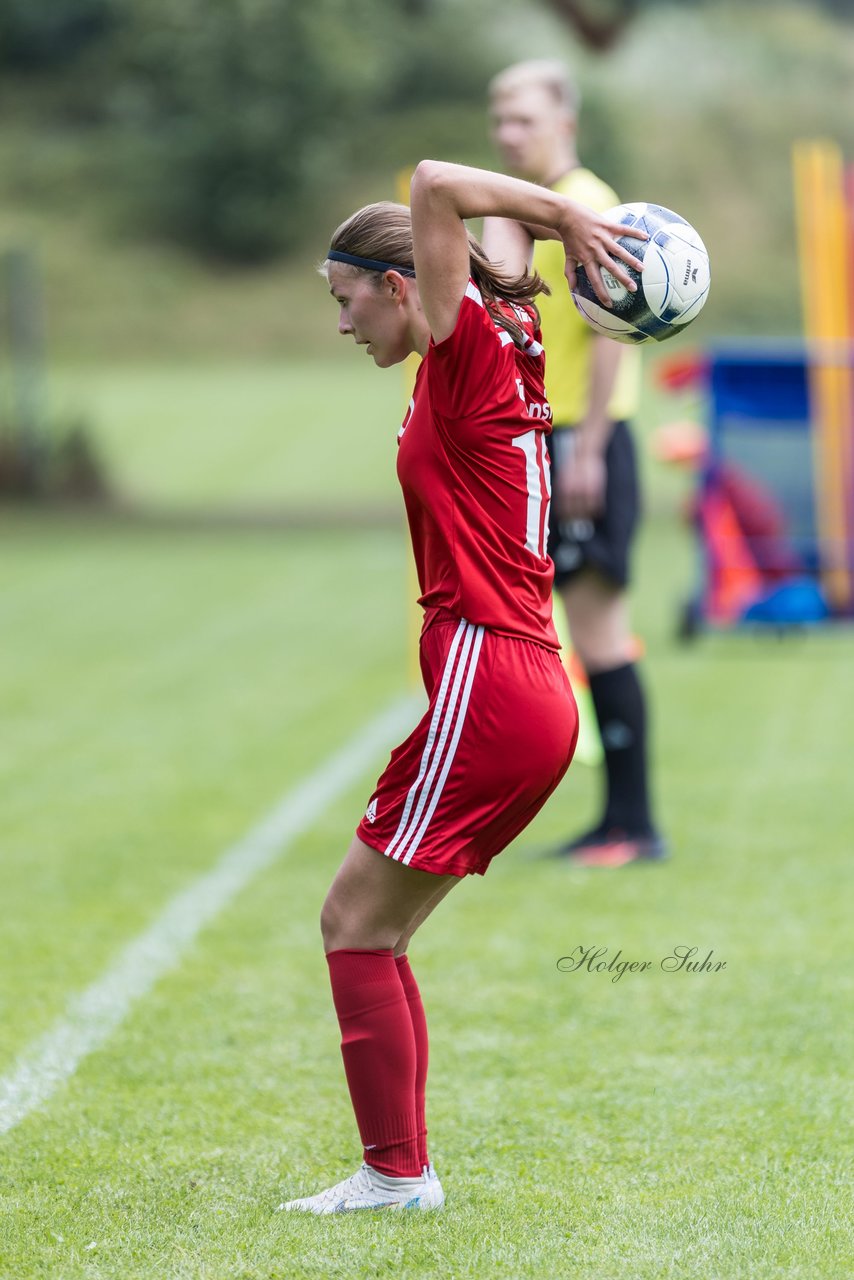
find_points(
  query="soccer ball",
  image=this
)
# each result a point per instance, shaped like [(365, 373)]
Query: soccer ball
[(671, 290)]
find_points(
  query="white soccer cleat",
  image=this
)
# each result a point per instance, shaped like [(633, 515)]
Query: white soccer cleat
[(369, 1189)]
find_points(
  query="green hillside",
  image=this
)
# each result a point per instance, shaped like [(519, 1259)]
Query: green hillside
[(697, 108)]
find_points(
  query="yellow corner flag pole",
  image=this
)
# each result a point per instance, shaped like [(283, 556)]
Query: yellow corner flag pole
[(825, 268)]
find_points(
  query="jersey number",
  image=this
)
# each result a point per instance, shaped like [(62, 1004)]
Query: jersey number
[(533, 445)]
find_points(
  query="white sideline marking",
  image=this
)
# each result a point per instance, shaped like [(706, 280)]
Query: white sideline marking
[(95, 1013)]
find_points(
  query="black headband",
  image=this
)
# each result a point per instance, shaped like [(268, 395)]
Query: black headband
[(370, 264)]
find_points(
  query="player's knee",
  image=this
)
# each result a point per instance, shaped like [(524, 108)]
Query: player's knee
[(341, 924), (345, 925), (331, 922)]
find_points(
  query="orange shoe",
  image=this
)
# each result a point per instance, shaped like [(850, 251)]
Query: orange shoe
[(615, 849)]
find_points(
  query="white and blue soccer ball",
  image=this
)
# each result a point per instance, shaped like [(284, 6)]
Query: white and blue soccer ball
[(671, 289)]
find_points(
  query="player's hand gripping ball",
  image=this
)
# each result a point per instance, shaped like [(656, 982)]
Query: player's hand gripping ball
[(671, 290)]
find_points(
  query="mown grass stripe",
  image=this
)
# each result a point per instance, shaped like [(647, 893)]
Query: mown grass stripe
[(95, 1013)]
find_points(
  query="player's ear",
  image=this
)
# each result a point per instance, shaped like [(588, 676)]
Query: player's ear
[(395, 285)]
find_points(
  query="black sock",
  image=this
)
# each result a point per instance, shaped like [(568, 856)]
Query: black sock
[(621, 713)]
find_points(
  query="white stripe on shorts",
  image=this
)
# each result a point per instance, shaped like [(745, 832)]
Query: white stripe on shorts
[(426, 790), (431, 735)]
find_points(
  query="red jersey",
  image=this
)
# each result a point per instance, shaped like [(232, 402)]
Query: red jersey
[(475, 476)]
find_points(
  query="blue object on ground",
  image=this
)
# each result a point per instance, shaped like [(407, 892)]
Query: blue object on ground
[(796, 601)]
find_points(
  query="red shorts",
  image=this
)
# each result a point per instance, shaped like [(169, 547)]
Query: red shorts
[(497, 738)]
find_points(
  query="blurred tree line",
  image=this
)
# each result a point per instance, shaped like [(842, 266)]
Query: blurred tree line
[(220, 123), (221, 118)]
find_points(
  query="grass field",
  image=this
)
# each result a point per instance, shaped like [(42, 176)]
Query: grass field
[(239, 436), (160, 692), (284, 436)]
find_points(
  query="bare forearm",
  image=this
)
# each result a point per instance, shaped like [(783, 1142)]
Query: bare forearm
[(478, 193), (449, 193)]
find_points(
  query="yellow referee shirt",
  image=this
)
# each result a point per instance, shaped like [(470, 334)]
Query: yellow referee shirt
[(566, 336)]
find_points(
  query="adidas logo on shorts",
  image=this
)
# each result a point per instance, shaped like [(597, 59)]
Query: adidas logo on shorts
[(371, 811)]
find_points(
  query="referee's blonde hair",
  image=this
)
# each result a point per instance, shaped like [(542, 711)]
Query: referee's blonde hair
[(383, 232), (549, 74)]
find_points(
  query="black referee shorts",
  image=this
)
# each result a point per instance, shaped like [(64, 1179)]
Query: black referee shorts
[(604, 543)]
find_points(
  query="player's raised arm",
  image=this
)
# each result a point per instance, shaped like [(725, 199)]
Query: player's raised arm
[(508, 243), (443, 195)]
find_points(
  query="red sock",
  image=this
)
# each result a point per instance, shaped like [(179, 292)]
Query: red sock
[(378, 1047), (419, 1028)]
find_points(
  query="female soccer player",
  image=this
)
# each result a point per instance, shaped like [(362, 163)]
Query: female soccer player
[(500, 728)]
